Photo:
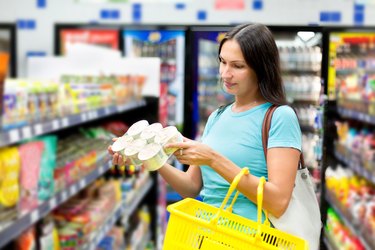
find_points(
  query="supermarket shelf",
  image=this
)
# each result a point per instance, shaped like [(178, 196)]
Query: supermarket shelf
[(356, 115), (25, 132), (124, 209), (309, 128), (358, 168), (328, 241), (26, 220), (288, 71), (346, 218), (143, 243)]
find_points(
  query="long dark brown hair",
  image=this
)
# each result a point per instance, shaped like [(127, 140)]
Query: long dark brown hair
[(261, 54)]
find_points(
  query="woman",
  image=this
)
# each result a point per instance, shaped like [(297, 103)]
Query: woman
[(232, 139)]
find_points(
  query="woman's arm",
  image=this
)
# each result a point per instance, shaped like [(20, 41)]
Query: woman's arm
[(282, 167), (187, 184)]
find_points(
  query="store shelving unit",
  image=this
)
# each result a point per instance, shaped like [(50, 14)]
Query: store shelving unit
[(348, 220), (329, 242), (301, 50), (28, 219), (28, 131), (124, 209), (16, 135), (349, 70)]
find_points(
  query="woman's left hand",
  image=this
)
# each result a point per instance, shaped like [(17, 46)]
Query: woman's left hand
[(191, 152)]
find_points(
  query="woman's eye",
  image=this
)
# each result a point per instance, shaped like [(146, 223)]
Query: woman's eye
[(238, 66)]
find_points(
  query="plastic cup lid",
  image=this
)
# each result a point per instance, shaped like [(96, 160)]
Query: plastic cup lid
[(165, 134), (151, 130), (138, 143), (149, 151), (137, 127), (121, 143), (135, 146), (131, 151)]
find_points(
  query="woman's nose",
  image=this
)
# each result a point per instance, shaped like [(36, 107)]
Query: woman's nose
[(225, 72)]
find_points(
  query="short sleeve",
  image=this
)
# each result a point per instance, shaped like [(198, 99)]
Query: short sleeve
[(285, 130)]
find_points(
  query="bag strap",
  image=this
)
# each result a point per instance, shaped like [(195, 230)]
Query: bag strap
[(265, 133)]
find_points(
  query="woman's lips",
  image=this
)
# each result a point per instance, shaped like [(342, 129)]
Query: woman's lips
[(229, 85)]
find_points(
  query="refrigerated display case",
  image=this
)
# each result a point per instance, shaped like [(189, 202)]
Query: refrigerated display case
[(8, 60), (169, 44), (207, 94), (8, 41), (349, 175)]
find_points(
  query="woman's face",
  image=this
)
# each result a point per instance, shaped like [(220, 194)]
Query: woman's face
[(238, 78)]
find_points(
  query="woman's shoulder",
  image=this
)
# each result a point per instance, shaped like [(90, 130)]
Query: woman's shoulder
[(285, 112)]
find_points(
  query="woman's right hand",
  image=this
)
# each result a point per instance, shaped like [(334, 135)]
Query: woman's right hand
[(117, 159)]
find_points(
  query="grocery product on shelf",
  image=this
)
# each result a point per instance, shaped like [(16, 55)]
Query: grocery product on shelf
[(28, 101)]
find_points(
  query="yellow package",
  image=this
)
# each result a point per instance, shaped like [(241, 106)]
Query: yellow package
[(10, 168)]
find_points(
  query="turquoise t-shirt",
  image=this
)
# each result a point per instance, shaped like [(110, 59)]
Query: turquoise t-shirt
[(238, 136)]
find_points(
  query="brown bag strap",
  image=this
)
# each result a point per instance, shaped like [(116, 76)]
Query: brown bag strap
[(265, 132)]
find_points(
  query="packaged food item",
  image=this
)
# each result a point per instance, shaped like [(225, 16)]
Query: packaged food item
[(121, 143), (47, 167), (31, 155), (168, 134), (149, 132), (4, 62), (153, 156), (147, 146), (136, 129), (46, 241), (27, 240), (10, 166), (131, 152)]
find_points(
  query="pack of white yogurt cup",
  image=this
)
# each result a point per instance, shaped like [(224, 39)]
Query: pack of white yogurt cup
[(144, 143)]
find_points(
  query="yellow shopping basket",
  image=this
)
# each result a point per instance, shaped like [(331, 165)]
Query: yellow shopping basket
[(196, 225)]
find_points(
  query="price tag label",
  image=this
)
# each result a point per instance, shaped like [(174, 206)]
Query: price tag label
[(101, 170), (82, 183), (83, 117), (64, 196), (94, 114), (34, 216), (73, 190), (65, 122), (38, 129), (55, 125), (52, 203), (14, 135), (26, 132)]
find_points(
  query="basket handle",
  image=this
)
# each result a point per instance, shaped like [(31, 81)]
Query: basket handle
[(260, 190), (232, 187)]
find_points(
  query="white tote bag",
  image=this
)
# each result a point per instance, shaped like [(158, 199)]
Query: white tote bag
[(302, 217)]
